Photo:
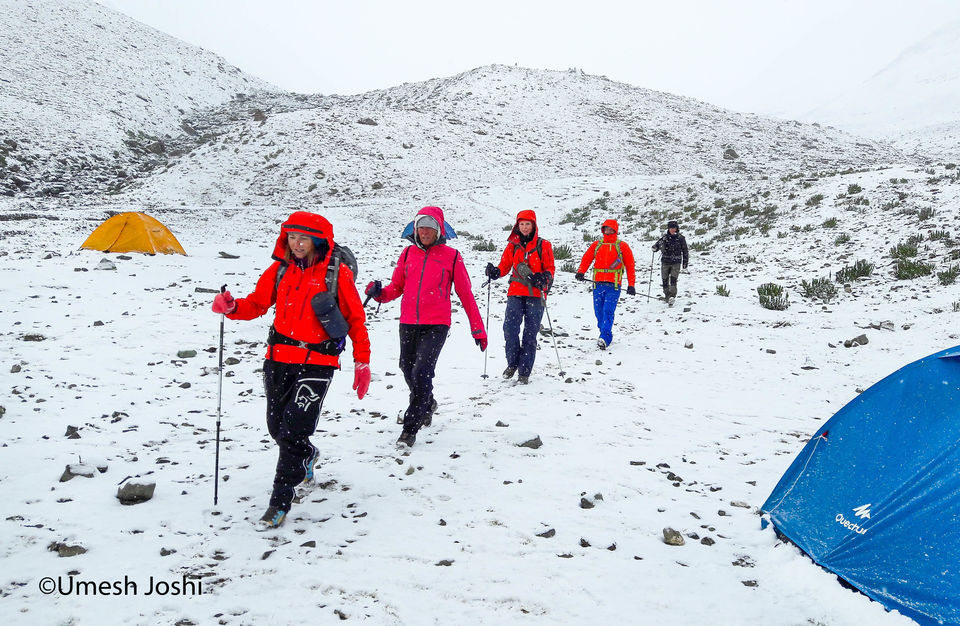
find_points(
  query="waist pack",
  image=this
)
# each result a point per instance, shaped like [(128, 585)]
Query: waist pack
[(330, 347)]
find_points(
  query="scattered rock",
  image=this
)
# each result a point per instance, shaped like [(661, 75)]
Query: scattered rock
[(15, 369), (33, 337), (186, 354), (707, 541), (730, 154), (65, 550), (231, 361), (167, 551), (309, 544), (98, 323), (859, 340), (740, 503), (410, 471), (366, 121), (584, 543), (672, 537), (259, 115), (688, 344), (532, 443), (586, 504), (106, 264), (445, 563), (500, 424), (808, 364), (749, 583), (547, 534), (73, 470), (184, 385), (377, 185), (135, 491), (227, 255)]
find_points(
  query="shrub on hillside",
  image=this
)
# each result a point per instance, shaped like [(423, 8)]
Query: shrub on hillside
[(841, 239), (850, 273), (949, 276), (815, 199), (819, 288), (904, 250), (773, 297), (562, 252), (908, 269), (723, 291)]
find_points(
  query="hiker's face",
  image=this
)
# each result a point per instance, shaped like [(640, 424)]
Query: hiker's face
[(301, 245), (427, 235), (606, 230), (526, 227), (672, 230)]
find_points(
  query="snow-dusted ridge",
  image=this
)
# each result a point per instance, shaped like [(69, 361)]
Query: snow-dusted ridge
[(86, 93)]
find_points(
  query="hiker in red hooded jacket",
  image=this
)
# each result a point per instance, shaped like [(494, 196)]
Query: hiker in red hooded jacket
[(528, 259), (610, 258), (308, 333), (426, 274)]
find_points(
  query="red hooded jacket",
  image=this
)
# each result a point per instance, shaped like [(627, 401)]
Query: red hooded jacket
[(516, 253), (294, 315), (610, 257)]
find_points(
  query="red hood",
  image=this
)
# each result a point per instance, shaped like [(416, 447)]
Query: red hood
[(528, 215), (308, 224), (612, 224)]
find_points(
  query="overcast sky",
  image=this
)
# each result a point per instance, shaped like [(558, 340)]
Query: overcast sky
[(767, 56)]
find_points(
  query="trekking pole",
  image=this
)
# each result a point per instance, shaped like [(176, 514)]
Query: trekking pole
[(216, 467), (650, 277), (546, 310), (487, 328)]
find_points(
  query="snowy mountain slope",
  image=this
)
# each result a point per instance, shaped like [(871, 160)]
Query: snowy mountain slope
[(86, 92), (459, 531), (912, 101), (495, 125)]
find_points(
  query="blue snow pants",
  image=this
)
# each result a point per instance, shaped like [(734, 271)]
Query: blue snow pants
[(528, 311), (605, 298)]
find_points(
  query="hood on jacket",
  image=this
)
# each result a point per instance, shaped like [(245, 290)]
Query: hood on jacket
[(436, 213), (529, 216), (612, 224), (673, 224), (311, 224)]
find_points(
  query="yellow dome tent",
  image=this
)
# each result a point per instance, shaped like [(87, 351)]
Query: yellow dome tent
[(133, 232)]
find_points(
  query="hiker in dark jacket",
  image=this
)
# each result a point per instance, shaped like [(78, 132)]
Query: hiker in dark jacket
[(674, 255), (302, 355)]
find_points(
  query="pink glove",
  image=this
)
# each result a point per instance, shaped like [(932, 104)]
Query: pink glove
[(361, 379), (224, 303), (481, 340)]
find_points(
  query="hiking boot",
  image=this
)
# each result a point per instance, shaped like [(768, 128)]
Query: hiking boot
[(671, 300), (601, 344), (523, 380), (311, 462), (429, 418), (509, 372), (407, 439), (273, 518)]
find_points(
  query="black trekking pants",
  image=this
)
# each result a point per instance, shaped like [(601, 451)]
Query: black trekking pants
[(420, 346), (669, 273), (295, 394)]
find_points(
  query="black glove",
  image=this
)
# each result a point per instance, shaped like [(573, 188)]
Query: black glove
[(579, 276), (631, 291), (540, 280), (656, 247), (373, 289), (492, 271)]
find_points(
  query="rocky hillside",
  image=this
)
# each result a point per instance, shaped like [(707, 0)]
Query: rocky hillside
[(494, 125), (88, 96)]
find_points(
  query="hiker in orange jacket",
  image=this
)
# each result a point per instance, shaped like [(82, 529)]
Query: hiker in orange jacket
[(304, 345), (528, 258), (610, 258)]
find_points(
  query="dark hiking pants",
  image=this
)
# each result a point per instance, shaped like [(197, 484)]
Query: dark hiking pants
[(669, 273), (522, 353), (420, 346), (295, 395)]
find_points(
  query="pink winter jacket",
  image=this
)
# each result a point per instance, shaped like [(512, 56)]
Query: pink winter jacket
[(424, 278)]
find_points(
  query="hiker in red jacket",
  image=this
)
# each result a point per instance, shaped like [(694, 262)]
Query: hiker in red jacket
[(529, 260), (304, 344), (425, 275), (610, 258)]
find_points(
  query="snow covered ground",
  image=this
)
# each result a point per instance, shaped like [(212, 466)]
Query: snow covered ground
[(470, 527)]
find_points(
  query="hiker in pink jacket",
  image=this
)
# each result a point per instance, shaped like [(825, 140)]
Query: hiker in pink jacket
[(426, 274)]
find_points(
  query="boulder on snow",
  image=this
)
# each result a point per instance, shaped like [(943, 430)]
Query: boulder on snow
[(672, 537), (106, 264), (532, 443), (136, 490), (64, 550), (72, 470)]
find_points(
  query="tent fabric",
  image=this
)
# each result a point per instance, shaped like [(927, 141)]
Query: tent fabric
[(874, 496), (133, 232), (449, 233)]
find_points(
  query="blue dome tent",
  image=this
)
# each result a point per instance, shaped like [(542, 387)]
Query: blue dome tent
[(874, 496)]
